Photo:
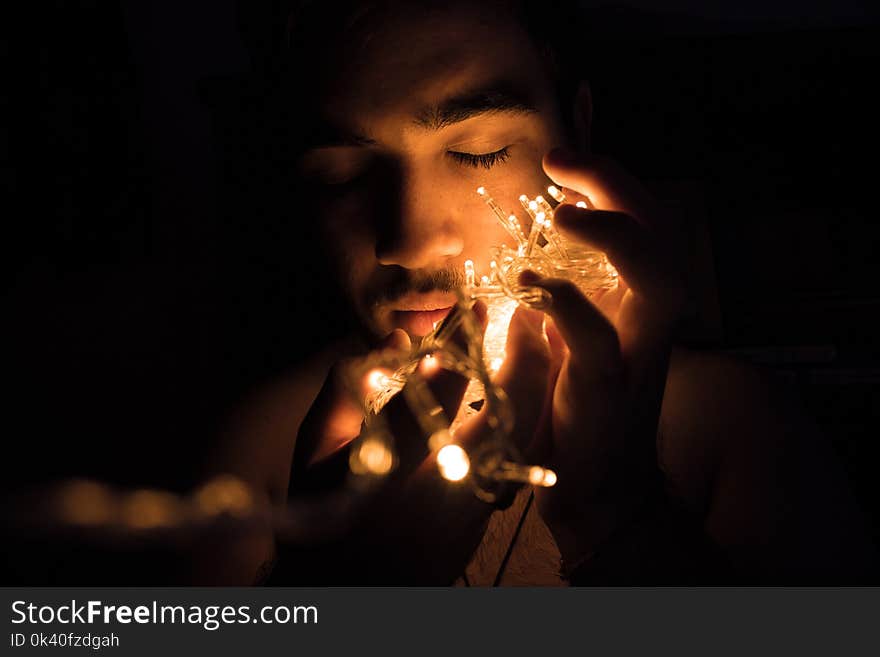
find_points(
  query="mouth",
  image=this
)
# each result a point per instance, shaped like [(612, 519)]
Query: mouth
[(418, 314)]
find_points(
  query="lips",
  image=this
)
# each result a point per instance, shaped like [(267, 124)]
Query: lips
[(418, 322), (417, 313)]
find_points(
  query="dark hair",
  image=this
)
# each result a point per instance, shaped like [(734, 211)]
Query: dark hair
[(558, 30)]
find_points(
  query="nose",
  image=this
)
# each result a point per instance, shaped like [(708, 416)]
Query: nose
[(428, 245), (424, 235)]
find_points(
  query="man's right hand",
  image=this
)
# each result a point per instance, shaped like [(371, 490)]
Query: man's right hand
[(419, 527)]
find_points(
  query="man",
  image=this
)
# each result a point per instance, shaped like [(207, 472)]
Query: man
[(673, 466)]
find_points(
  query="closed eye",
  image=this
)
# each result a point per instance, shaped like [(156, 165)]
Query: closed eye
[(485, 160)]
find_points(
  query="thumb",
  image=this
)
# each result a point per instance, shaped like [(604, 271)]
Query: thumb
[(524, 375)]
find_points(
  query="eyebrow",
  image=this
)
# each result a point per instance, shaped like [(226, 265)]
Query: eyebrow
[(325, 136), (502, 98)]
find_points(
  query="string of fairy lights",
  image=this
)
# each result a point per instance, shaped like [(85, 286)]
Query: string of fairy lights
[(488, 466), (376, 379)]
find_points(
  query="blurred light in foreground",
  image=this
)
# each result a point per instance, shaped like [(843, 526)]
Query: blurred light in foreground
[(374, 457), (225, 494), (430, 364), (539, 476), (378, 379), (86, 503), (453, 462), (149, 509)]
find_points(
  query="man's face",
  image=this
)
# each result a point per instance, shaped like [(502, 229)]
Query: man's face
[(426, 109)]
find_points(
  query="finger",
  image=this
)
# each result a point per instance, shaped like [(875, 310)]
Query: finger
[(540, 449), (594, 349), (601, 180), (397, 340), (335, 417), (630, 247), (333, 421), (558, 349), (610, 300), (525, 372)]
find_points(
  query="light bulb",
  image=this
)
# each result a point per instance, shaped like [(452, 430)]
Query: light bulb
[(378, 379), (557, 195), (429, 365), (536, 474), (374, 457), (453, 462)]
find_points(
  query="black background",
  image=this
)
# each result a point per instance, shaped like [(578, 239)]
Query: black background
[(149, 286)]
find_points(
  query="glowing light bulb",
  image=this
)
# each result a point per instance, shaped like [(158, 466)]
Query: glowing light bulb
[(148, 509), (536, 475), (539, 476), (86, 503), (557, 195), (429, 365), (224, 494), (378, 379), (498, 212), (515, 229), (581, 204), (453, 463), (534, 232), (375, 457), (469, 273), (543, 205)]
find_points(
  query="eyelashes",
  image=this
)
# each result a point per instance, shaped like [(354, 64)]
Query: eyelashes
[(485, 160)]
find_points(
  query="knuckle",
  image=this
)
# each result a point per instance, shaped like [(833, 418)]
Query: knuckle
[(564, 290)]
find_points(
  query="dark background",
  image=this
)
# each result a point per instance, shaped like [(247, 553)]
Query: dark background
[(150, 282)]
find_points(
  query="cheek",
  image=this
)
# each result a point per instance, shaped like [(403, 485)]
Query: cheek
[(522, 174), (527, 177), (505, 190), (347, 241)]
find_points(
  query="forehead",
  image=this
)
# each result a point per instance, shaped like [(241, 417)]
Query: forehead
[(401, 65)]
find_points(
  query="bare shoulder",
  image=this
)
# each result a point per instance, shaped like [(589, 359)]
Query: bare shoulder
[(256, 445), (259, 436), (739, 448), (706, 394)]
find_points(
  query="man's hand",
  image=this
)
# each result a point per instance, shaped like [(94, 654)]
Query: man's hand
[(613, 357), (420, 528)]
